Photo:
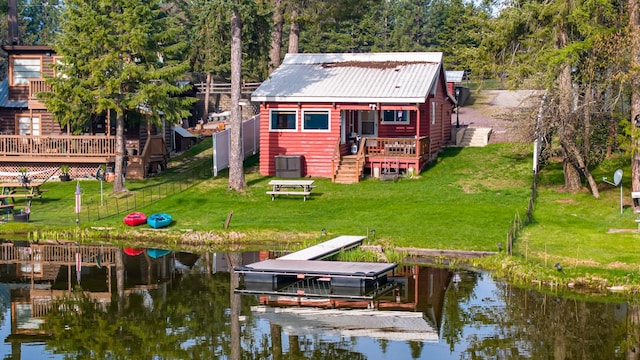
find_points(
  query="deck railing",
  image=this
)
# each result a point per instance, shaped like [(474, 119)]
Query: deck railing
[(58, 145), (335, 160), (63, 254), (397, 147), (37, 86), (225, 88), (360, 160)]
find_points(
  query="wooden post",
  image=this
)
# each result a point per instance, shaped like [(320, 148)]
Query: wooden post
[(226, 223)]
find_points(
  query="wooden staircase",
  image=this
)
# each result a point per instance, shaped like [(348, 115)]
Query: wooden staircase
[(154, 158), (348, 171), (135, 167)]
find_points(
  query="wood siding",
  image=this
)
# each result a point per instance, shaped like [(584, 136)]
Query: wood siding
[(315, 147), (440, 131)]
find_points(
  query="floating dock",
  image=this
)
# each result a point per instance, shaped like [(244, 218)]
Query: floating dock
[(299, 274)]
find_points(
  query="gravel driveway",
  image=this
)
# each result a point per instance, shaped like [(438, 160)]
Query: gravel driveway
[(483, 107)]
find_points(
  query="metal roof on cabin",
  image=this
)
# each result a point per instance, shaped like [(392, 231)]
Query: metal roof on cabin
[(4, 97), (360, 78), (455, 76)]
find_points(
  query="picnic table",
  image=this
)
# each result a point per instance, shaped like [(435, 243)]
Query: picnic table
[(17, 190), (291, 187)]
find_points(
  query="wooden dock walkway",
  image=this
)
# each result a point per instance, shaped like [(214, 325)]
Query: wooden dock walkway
[(326, 249)]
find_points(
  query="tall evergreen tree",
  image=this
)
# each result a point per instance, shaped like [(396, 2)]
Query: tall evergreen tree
[(40, 19), (118, 56), (552, 46)]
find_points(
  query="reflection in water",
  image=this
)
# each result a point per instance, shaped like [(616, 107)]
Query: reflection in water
[(181, 305)]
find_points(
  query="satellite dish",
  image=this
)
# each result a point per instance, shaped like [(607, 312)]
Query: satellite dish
[(617, 177)]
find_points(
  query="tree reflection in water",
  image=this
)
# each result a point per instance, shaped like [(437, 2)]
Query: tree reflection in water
[(183, 306)]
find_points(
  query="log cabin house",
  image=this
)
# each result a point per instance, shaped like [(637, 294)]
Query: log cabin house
[(31, 139), (344, 116)]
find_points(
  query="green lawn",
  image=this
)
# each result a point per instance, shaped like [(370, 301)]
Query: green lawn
[(465, 200)]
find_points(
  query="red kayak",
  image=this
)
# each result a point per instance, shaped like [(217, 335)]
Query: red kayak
[(135, 219), (133, 251)]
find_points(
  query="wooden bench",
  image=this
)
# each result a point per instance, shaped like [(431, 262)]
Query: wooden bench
[(303, 193)]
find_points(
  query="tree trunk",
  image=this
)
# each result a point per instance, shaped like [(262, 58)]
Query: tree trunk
[(14, 28), (276, 36), (571, 175), (236, 171), (235, 259), (294, 33), (207, 88), (120, 279), (611, 136), (634, 44), (118, 183), (275, 331), (633, 332), (582, 155), (566, 131)]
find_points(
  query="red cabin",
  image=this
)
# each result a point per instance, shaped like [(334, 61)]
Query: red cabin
[(343, 116)]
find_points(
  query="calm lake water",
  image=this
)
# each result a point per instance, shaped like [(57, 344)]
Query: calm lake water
[(60, 301)]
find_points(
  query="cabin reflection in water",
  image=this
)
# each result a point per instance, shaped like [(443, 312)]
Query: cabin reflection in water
[(412, 311), (35, 276)]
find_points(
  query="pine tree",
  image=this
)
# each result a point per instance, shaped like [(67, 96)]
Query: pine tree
[(118, 56)]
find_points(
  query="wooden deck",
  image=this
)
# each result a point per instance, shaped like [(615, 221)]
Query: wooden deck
[(61, 148)]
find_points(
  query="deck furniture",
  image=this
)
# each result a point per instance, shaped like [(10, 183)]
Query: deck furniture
[(291, 187)]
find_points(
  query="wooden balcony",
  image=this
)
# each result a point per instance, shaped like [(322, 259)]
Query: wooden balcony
[(97, 149), (400, 153), (396, 147), (37, 86)]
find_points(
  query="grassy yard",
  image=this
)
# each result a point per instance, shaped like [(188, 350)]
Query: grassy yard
[(589, 237), (465, 200)]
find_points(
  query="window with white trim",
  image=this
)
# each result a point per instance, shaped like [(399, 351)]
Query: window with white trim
[(283, 120), (26, 124), (25, 69), (317, 120), (395, 117)]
